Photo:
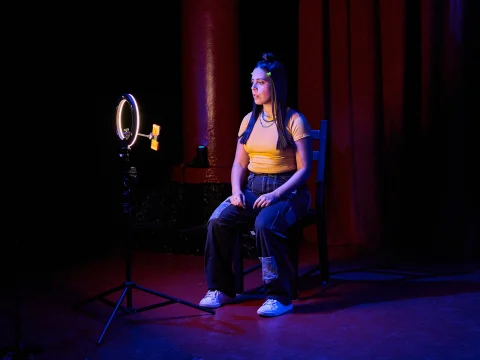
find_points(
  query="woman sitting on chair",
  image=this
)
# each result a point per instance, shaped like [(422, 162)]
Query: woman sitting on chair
[(274, 149)]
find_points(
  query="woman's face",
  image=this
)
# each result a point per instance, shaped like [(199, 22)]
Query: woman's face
[(260, 87)]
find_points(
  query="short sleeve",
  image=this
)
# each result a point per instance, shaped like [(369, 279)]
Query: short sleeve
[(299, 126)]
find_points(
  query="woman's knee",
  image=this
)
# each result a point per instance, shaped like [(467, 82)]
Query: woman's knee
[(277, 222), (263, 224), (214, 222), (217, 213)]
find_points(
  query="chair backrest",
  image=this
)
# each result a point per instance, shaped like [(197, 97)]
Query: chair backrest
[(320, 153)]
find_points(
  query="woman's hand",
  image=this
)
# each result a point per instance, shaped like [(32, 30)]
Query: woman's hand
[(266, 199), (238, 199)]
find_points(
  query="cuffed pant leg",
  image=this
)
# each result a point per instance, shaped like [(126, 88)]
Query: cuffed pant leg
[(278, 271)]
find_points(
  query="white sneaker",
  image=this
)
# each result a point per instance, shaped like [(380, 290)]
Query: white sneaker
[(215, 299), (273, 307)]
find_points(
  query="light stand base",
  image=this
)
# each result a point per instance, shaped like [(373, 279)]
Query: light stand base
[(130, 177), (126, 289)]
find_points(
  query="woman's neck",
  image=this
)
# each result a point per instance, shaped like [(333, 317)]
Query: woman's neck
[(268, 112)]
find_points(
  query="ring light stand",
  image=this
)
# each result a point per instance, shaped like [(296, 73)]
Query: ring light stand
[(127, 139)]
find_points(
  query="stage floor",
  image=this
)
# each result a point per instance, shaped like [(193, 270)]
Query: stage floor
[(402, 313)]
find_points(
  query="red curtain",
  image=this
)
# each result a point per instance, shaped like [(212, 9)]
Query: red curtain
[(388, 74), (209, 53)]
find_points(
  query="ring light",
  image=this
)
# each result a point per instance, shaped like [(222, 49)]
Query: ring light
[(127, 134)]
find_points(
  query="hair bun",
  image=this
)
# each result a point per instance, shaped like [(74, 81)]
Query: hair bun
[(268, 57)]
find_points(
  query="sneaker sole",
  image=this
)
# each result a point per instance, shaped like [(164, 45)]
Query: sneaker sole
[(217, 306), (210, 306), (273, 315)]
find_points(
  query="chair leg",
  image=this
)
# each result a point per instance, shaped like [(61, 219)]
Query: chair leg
[(323, 251), (295, 239), (238, 266), (294, 286)]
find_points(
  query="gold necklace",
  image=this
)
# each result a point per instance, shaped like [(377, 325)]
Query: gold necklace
[(268, 118)]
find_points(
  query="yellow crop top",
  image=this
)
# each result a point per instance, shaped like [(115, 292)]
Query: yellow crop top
[(262, 143)]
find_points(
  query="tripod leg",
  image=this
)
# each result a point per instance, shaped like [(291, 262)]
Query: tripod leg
[(112, 315), (99, 296), (172, 300)]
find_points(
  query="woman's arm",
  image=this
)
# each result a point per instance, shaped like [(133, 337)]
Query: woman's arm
[(304, 158), (239, 169)]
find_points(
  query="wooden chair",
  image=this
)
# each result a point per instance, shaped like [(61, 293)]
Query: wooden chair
[(316, 215)]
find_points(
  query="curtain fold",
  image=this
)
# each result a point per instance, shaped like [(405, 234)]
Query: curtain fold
[(393, 92)]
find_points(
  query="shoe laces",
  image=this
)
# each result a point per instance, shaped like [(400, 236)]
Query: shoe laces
[(213, 294), (271, 302)]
